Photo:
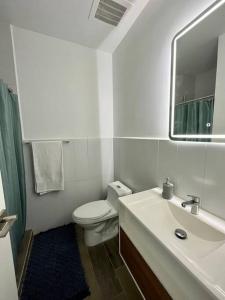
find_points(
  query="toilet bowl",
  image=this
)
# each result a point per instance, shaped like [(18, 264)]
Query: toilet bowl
[(100, 218)]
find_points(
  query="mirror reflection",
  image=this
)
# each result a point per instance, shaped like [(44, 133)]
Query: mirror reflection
[(199, 79)]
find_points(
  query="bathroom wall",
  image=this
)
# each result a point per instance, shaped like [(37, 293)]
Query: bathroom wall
[(59, 85), (141, 75), (65, 92), (185, 88), (88, 167), (205, 83), (7, 70), (195, 86)]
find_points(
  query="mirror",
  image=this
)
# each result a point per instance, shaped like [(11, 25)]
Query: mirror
[(197, 109)]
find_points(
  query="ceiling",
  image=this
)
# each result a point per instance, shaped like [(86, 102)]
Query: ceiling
[(64, 19), (68, 20)]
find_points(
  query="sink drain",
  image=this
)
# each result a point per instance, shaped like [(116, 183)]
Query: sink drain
[(180, 233)]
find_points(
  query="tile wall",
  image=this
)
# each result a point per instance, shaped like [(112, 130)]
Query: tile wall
[(194, 168), (88, 167)]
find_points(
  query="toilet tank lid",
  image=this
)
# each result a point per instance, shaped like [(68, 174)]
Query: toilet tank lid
[(120, 188)]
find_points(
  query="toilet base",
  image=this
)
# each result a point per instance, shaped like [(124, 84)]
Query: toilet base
[(102, 232)]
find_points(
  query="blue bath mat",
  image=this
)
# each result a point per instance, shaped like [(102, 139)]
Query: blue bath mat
[(54, 270)]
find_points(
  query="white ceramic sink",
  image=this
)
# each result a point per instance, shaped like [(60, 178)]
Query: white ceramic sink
[(202, 253)]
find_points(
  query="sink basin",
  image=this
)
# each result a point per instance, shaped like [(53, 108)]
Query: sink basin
[(202, 253), (163, 217)]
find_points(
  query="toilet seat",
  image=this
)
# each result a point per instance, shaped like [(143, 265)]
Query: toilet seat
[(100, 219), (92, 211)]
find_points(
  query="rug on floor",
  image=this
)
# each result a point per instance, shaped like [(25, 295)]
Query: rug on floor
[(54, 270)]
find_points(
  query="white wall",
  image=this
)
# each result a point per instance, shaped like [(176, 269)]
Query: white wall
[(195, 86), (88, 167), (194, 168), (65, 92), (105, 93), (7, 71), (58, 84), (141, 67), (185, 87), (205, 83)]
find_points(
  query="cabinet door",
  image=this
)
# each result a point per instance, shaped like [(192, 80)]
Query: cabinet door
[(149, 284)]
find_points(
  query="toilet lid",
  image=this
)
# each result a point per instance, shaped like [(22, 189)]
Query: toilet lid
[(92, 210)]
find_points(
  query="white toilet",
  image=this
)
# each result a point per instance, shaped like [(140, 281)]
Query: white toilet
[(100, 218)]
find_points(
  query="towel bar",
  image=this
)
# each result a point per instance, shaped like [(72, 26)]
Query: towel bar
[(29, 142)]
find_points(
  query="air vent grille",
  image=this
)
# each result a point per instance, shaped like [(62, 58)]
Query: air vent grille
[(110, 12)]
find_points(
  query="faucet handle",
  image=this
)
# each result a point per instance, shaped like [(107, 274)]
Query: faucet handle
[(196, 199)]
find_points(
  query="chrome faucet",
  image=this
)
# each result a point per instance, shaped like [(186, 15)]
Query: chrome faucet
[(195, 202)]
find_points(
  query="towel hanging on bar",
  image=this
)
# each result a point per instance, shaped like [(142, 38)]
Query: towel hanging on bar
[(48, 166)]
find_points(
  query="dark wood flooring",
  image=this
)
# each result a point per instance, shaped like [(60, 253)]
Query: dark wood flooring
[(105, 272)]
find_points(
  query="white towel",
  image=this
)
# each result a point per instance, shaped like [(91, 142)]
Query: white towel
[(48, 166)]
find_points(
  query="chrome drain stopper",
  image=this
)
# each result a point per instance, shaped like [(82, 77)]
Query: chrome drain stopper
[(180, 233)]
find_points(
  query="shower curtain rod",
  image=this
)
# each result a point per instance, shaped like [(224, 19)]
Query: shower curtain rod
[(197, 99)]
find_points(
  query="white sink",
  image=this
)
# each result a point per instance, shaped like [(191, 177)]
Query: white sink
[(202, 253)]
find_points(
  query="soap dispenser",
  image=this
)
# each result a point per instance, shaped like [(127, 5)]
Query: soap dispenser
[(167, 189)]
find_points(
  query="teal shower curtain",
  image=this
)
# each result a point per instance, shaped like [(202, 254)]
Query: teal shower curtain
[(12, 163), (195, 117)]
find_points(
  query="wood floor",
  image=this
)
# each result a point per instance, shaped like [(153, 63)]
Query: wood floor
[(23, 258), (105, 271)]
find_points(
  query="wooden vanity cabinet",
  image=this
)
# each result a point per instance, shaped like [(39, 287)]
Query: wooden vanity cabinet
[(151, 287)]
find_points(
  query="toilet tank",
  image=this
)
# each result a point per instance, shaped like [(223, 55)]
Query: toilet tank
[(114, 191)]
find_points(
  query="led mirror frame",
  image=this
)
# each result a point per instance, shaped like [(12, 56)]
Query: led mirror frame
[(195, 22)]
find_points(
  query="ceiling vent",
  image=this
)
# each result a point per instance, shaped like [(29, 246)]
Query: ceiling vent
[(110, 11)]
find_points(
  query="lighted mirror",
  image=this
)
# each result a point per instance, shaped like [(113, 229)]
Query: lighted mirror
[(198, 79)]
